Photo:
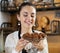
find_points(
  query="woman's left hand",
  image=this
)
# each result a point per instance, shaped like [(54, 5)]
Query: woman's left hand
[(39, 46)]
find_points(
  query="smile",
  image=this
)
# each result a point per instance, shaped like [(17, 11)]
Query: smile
[(28, 22)]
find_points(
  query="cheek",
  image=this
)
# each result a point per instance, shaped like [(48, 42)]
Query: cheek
[(22, 20), (25, 20), (32, 21)]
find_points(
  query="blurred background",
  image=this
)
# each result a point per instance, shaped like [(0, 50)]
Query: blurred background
[(48, 20)]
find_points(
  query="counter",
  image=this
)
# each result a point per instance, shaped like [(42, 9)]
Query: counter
[(53, 34)]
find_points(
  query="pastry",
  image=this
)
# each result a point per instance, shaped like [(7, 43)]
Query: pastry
[(27, 36), (34, 37)]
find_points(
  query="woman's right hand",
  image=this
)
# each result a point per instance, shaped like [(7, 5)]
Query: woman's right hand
[(21, 44)]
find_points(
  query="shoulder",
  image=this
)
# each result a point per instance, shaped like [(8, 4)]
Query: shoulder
[(12, 35), (11, 39)]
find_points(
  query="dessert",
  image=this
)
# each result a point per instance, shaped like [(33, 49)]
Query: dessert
[(34, 37)]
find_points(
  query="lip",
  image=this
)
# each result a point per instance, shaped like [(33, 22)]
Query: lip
[(28, 22)]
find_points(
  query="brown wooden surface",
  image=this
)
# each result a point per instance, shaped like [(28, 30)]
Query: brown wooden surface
[(54, 44)]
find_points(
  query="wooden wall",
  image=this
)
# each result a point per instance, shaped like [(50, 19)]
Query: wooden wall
[(50, 14)]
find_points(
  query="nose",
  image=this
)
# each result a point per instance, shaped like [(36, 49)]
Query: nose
[(30, 18)]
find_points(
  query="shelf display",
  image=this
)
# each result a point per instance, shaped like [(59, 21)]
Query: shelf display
[(40, 6)]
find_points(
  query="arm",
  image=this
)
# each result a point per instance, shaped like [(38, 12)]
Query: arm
[(45, 50), (10, 45), (42, 46)]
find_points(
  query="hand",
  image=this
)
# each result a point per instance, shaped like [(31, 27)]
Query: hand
[(39, 46), (21, 44)]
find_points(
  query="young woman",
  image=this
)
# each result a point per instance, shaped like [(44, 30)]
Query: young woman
[(15, 43)]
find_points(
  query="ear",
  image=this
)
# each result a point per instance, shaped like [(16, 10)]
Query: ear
[(18, 17)]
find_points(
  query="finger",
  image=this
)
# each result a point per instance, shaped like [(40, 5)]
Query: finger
[(26, 41), (21, 39), (34, 44), (23, 43)]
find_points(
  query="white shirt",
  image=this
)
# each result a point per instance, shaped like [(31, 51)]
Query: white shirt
[(11, 42)]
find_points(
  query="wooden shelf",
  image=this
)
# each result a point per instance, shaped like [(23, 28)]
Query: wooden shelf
[(48, 9), (13, 9)]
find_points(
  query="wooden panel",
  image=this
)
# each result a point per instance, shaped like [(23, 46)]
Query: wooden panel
[(56, 1), (54, 44), (54, 47)]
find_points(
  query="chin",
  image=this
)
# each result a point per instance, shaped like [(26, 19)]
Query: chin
[(29, 26)]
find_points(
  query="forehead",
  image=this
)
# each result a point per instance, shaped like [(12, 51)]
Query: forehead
[(29, 9)]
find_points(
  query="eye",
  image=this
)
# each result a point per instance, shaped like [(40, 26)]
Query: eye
[(32, 16), (25, 15)]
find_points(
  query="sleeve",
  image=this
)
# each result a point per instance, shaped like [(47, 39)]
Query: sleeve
[(10, 45), (45, 50)]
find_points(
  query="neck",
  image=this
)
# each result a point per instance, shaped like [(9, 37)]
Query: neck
[(25, 30)]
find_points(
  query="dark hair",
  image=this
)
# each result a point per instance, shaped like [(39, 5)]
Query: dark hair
[(25, 4), (20, 7)]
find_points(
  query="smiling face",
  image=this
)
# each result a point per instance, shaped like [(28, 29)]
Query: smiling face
[(27, 16)]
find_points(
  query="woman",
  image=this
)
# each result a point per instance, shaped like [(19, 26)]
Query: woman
[(14, 43)]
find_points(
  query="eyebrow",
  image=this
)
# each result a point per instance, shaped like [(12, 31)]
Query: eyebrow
[(27, 13)]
